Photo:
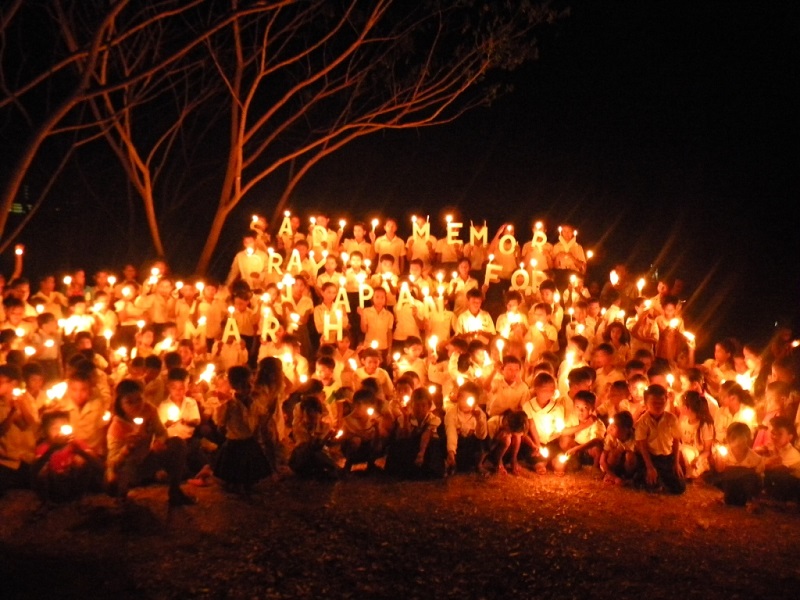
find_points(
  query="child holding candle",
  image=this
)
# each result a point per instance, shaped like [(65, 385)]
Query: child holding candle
[(311, 458), (390, 244), (377, 323), (466, 430), (138, 446), (776, 397), (658, 438), (697, 435), (506, 389), (582, 438), (738, 468), (17, 424), (459, 286), (505, 433), (474, 320), (241, 462), (416, 451), (371, 360), (361, 439), (65, 467), (618, 459)]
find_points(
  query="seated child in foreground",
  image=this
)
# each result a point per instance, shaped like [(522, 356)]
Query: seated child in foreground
[(782, 466), (361, 439), (465, 428), (311, 457), (618, 459), (738, 468), (505, 433), (658, 440), (65, 468), (417, 452), (582, 442)]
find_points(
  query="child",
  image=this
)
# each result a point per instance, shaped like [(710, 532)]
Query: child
[(505, 432), (512, 324), (738, 468), (241, 462), (361, 440), (416, 452), (782, 466), (545, 419), (138, 446), (583, 441), (371, 360), (618, 459), (466, 430), (310, 457), (658, 437), (65, 468), (506, 390), (775, 398), (697, 435), (377, 323), (17, 424), (617, 401)]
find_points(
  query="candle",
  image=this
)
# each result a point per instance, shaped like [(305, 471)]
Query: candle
[(500, 345), (563, 458), (374, 224), (544, 452), (30, 350), (342, 223), (674, 323), (370, 411), (19, 250), (67, 280), (589, 254), (138, 421), (431, 389), (640, 285), (538, 225), (406, 399), (173, 413), (722, 451), (66, 430), (396, 356), (107, 416), (613, 277), (140, 324), (470, 401), (39, 309), (374, 344), (529, 349), (112, 280), (339, 433)]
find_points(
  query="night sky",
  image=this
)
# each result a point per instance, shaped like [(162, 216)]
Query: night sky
[(666, 132)]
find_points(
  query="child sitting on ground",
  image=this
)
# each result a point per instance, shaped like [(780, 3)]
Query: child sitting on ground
[(416, 452), (361, 440), (618, 459), (505, 432), (65, 468), (582, 443), (310, 457), (782, 466), (465, 428), (658, 440), (738, 468)]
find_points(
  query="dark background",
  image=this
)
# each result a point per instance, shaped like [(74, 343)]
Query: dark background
[(667, 132)]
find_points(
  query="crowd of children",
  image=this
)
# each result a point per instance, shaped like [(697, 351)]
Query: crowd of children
[(420, 358)]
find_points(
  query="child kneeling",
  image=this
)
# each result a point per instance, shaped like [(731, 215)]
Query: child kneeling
[(310, 457), (658, 441)]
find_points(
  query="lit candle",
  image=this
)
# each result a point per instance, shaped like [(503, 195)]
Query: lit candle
[(173, 413), (370, 411), (67, 280), (529, 350), (640, 285), (138, 421), (470, 401), (589, 254), (563, 458), (544, 452), (374, 224), (722, 451), (66, 430), (342, 223), (112, 280), (431, 389), (339, 433), (19, 250), (613, 277), (674, 323)]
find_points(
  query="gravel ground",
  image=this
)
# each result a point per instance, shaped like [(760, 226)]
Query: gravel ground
[(468, 537)]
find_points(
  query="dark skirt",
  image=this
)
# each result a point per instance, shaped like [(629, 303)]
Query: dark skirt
[(241, 462)]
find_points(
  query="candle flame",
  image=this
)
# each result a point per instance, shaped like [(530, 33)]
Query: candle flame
[(66, 430)]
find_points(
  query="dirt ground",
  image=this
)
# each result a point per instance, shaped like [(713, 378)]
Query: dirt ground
[(467, 537)]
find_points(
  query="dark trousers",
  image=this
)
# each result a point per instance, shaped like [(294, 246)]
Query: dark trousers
[(738, 484), (665, 466), (780, 484)]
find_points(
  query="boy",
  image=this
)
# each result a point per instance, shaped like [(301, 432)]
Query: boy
[(459, 286), (377, 323), (506, 390), (16, 444), (584, 434), (782, 465), (512, 324), (658, 440), (361, 440), (603, 363), (738, 468), (390, 244), (506, 432), (336, 317), (416, 452), (371, 360), (466, 430), (474, 321), (312, 435)]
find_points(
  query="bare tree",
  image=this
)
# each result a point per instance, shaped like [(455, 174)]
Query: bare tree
[(305, 79)]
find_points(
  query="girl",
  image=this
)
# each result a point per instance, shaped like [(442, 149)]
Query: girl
[(139, 447), (241, 462), (310, 458), (270, 392), (617, 335), (720, 368), (145, 340), (697, 435)]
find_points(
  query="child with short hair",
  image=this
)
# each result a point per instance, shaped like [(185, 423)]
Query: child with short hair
[(361, 439), (776, 396), (658, 438), (370, 361), (505, 433), (416, 452), (466, 430), (782, 465), (311, 458), (474, 320), (738, 468), (618, 459), (582, 438)]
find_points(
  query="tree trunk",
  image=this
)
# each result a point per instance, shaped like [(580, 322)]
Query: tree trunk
[(211, 241)]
